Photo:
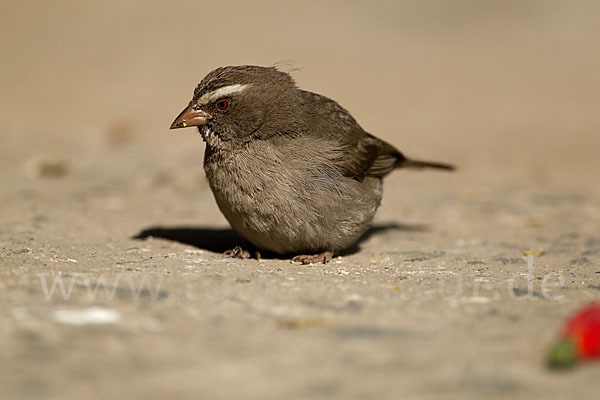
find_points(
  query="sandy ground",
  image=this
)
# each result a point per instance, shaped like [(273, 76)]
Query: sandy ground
[(438, 301)]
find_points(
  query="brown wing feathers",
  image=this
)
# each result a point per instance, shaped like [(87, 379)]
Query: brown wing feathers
[(374, 157)]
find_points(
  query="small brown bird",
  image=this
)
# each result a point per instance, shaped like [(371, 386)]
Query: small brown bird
[(291, 170)]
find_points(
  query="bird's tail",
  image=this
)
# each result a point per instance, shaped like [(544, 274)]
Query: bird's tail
[(406, 163)]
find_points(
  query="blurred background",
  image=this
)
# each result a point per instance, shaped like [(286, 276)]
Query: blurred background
[(509, 90), (495, 82)]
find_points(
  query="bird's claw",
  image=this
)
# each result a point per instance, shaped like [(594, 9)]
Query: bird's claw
[(238, 252), (306, 259)]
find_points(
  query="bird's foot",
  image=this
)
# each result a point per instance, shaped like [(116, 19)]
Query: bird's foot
[(323, 257), (238, 252)]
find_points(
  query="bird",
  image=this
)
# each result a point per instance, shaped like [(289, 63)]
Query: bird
[(292, 171)]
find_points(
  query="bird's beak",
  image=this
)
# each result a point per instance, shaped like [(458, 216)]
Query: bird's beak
[(190, 117)]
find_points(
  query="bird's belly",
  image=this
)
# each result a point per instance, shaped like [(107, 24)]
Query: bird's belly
[(277, 215)]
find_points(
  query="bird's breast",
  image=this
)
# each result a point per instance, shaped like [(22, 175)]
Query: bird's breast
[(287, 204)]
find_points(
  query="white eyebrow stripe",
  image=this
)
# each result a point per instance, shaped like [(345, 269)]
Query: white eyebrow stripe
[(221, 92)]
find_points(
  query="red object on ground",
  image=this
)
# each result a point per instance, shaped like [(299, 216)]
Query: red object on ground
[(579, 338)]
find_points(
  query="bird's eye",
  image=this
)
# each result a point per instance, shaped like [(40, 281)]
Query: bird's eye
[(222, 105)]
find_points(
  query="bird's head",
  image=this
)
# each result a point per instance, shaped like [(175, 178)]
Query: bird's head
[(238, 103)]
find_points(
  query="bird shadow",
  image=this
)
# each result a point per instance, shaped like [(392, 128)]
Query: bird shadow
[(219, 240)]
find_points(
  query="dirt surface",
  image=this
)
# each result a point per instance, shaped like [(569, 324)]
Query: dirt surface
[(456, 292)]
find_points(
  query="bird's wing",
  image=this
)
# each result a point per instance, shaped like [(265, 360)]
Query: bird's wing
[(362, 154), (368, 156)]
